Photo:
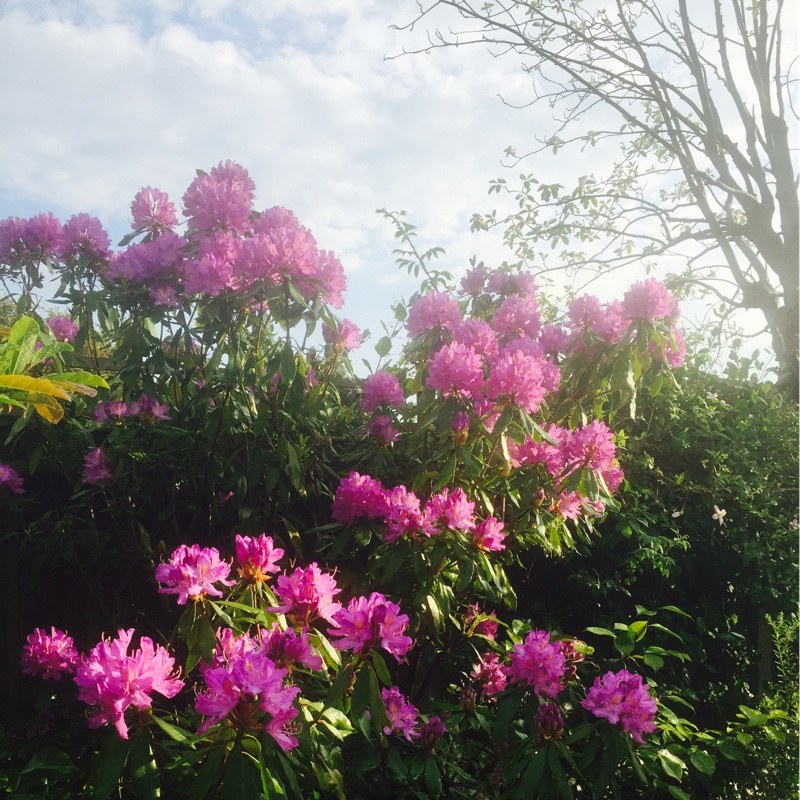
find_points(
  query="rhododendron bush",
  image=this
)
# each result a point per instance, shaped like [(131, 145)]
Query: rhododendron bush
[(253, 573)]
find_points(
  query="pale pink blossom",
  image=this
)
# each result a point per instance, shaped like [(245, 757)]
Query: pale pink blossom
[(152, 210), (456, 370), (347, 335), (63, 328), (489, 535), (434, 310), (650, 301), (220, 200), (84, 236)]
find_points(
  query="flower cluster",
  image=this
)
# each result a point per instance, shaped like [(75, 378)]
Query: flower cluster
[(192, 573), (147, 409), (97, 467), (242, 681), (368, 622), (307, 594), (113, 680), (401, 714), (50, 655), (63, 328), (539, 663), (622, 697), (257, 558), (10, 480), (360, 496)]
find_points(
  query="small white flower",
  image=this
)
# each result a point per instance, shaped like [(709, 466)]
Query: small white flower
[(677, 514), (719, 514)]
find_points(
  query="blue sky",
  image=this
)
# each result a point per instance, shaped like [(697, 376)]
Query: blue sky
[(102, 97)]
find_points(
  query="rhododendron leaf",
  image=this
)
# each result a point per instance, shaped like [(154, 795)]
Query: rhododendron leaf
[(28, 384), (671, 764), (108, 765), (144, 771), (396, 765), (380, 669), (446, 475), (383, 346), (83, 378), (703, 762), (242, 779), (377, 708), (532, 776), (173, 731), (600, 631), (359, 700), (202, 639)]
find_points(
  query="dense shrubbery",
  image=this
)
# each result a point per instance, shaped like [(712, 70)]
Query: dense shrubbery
[(281, 580)]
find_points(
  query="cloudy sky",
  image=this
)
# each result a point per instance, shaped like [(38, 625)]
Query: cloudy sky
[(102, 97)]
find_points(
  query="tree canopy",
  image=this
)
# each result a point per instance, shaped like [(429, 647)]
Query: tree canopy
[(699, 100)]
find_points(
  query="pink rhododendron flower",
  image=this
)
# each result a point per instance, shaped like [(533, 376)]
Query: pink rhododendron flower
[(449, 510), (156, 261), (650, 301), (433, 310), (401, 714), (307, 594), (192, 572), (538, 663), (432, 732), (10, 480), (220, 200), (50, 655), (382, 388), (153, 210), (382, 430), (371, 621), (285, 648), (673, 351), (473, 282), (358, 496), (97, 467), (490, 675), (402, 513), (517, 316), (113, 680), (518, 379), (347, 335), (567, 505), (83, 235), (456, 370), (478, 335), (249, 683), (591, 446), (63, 328), (489, 535), (506, 283), (211, 270), (554, 339), (150, 409), (29, 240), (257, 557), (621, 697)]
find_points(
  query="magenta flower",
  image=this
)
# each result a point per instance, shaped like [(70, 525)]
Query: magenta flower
[(650, 301), (433, 310), (449, 509), (150, 409), (490, 675), (489, 535), (456, 370), (382, 430), (221, 200), (403, 514), (211, 270), (257, 557), (402, 715), (63, 328), (347, 335), (517, 316), (538, 663), (591, 446), (307, 594), (382, 388), (285, 648), (478, 335), (192, 572), (621, 697), (97, 467), (368, 622), (41, 236), (156, 261), (519, 379), (114, 681), (249, 683), (10, 480), (84, 236), (51, 655), (504, 283), (567, 505), (358, 496), (152, 209)]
